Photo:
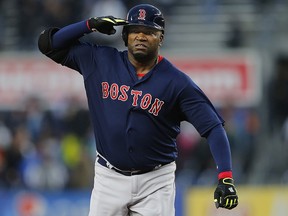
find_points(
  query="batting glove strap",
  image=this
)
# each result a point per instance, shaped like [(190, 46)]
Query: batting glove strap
[(105, 24), (225, 195)]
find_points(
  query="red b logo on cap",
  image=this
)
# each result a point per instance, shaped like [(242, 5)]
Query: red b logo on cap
[(142, 14)]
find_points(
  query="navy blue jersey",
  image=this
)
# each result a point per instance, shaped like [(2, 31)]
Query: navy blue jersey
[(136, 122)]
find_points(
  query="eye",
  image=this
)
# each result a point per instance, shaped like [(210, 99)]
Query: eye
[(149, 32)]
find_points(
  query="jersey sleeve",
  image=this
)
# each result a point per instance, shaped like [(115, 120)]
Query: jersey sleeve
[(198, 109), (89, 58), (79, 57)]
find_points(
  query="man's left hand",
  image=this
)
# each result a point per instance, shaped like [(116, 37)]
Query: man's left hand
[(225, 195)]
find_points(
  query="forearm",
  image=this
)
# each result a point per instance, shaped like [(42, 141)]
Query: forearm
[(220, 149), (69, 34)]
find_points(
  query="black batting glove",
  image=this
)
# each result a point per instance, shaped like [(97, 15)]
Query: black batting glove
[(225, 195), (105, 24)]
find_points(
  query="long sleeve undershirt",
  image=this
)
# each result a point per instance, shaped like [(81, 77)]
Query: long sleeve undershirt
[(220, 148), (68, 34)]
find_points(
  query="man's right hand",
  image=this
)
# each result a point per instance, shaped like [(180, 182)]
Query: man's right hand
[(105, 24)]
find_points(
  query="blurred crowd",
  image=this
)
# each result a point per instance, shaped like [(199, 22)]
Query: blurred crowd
[(278, 93), (23, 20), (46, 149)]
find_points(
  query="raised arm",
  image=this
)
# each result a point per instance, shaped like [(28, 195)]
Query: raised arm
[(54, 42)]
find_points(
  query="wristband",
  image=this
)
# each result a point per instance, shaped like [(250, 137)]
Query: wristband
[(226, 174), (87, 24)]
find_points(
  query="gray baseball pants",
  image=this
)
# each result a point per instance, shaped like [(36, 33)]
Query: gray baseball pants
[(149, 194)]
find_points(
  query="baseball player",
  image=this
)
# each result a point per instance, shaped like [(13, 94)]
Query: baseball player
[(137, 100)]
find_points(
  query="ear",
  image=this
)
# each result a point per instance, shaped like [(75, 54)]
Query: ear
[(161, 39)]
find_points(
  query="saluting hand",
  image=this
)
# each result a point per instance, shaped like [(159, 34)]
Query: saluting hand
[(105, 24)]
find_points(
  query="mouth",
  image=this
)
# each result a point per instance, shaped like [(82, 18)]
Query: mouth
[(141, 46)]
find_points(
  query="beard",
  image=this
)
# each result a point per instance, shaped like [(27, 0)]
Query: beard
[(144, 57)]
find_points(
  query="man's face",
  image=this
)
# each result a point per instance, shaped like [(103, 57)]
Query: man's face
[(143, 42)]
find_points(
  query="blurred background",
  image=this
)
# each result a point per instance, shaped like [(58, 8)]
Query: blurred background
[(235, 50)]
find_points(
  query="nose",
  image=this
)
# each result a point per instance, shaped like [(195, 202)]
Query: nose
[(141, 36)]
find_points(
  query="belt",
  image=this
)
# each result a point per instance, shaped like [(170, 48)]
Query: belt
[(105, 163)]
